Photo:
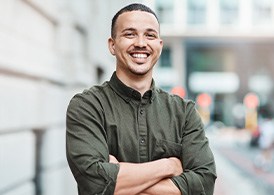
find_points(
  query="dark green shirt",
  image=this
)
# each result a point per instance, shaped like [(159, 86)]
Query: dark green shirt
[(115, 119)]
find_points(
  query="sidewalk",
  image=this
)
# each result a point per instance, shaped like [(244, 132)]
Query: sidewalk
[(235, 167), (231, 181)]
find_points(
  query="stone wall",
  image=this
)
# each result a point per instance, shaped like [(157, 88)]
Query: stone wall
[(44, 60)]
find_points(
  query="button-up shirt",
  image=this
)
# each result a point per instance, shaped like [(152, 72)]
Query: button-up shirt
[(115, 119)]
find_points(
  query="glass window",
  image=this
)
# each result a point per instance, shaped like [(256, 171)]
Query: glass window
[(262, 11), (165, 59), (196, 12), (204, 60), (229, 11), (165, 11)]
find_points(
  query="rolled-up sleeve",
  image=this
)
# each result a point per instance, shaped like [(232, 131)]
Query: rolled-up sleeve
[(87, 149), (198, 162)]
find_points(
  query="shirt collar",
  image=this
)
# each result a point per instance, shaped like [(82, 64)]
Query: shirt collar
[(128, 93)]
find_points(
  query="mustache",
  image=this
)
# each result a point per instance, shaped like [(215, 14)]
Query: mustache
[(138, 49)]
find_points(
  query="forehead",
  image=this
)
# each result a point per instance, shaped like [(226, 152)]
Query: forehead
[(137, 20)]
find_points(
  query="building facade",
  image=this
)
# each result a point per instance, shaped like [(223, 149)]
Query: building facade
[(49, 51), (220, 47)]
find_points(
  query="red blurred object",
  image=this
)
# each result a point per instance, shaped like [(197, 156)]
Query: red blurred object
[(178, 91), (203, 100), (251, 100)]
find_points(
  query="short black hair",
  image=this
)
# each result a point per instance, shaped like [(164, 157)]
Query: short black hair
[(129, 8)]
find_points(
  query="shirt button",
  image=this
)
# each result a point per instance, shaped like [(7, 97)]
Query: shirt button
[(141, 112), (142, 141)]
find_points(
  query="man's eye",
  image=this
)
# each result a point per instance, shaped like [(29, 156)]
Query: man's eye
[(151, 36), (129, 35)]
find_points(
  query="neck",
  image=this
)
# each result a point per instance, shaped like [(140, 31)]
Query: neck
[(140, 83)]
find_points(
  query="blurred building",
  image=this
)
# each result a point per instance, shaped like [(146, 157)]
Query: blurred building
[(220, 47), (51, 50)]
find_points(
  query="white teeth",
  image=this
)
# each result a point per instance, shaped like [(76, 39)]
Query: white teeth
[(139, 55)]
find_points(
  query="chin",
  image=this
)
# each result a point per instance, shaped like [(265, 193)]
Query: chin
[(140, 69), (139, 72)]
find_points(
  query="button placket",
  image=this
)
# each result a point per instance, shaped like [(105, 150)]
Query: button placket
[(142, 134)]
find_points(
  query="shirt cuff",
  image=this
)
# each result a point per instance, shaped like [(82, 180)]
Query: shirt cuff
[(189, 183), (110, 172)]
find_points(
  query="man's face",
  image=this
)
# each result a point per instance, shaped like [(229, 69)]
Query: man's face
[(137, 44)]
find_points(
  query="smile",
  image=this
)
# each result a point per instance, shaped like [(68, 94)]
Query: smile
[(139, 55)]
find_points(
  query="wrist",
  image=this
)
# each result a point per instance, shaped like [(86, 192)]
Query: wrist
[(175, 166), (169, 167)]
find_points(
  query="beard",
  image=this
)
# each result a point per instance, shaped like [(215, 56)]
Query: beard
[(140, 69)]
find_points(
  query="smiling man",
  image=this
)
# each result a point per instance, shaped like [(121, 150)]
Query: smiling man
[(128, 137)]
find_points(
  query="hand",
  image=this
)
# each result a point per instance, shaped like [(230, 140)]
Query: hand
[(176, 164), (113, 160), (165, 186)]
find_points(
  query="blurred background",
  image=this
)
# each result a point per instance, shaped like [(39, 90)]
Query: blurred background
[(218, 53)]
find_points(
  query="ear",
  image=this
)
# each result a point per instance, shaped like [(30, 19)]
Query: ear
[(111, 46), (161, 43)]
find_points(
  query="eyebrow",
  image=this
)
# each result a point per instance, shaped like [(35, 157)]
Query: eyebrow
[(133, 29), (128, 29)]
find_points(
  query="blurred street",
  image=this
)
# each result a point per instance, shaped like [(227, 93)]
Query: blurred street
[(235, 164)]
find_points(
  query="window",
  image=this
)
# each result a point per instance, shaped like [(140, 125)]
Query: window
[(205, 60), (165, 59), (196, 12), (262, 11), (165, 11), (229, 11)]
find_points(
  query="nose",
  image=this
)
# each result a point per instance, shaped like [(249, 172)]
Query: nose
[(140, 42)]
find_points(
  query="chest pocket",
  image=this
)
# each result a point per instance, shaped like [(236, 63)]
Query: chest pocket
[(165, 149)]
